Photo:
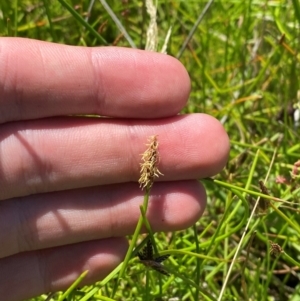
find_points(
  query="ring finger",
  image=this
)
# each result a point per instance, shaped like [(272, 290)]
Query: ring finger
[(60, 218)]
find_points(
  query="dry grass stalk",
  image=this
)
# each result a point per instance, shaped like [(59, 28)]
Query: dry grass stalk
[(151, 43)]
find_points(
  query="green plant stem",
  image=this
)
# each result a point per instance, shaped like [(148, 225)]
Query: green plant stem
[(251, 192), (198, 264), (135, 235), (73, 286), (82, 21)]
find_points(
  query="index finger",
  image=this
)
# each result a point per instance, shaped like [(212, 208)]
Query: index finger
[(40, 79)]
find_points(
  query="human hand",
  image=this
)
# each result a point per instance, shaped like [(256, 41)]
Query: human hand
[(68, 184)]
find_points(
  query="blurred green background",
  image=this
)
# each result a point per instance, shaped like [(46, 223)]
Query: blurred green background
[(243, 63)]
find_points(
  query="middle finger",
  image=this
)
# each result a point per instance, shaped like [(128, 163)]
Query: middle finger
[(65, 153)]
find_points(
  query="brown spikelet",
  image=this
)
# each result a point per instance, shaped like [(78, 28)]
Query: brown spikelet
[(117, 39), (150, 160), (295, 171), (275, 249), (147, 258), (263, 203)]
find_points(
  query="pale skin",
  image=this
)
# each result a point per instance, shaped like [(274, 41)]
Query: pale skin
[(69, 192)]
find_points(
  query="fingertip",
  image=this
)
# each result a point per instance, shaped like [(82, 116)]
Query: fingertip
[(198, 138), (182, 207), (143, 84), (219, 145), (181, 86)]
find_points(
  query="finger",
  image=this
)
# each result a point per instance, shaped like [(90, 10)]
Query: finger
[(59, 154), (55, 219), (34, 273), (40, 79)]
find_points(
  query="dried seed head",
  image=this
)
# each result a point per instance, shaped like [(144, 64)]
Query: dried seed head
[(150, 160)]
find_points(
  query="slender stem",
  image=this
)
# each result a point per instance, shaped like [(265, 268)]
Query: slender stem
[(73, 286), (135, 235), (198, 264)]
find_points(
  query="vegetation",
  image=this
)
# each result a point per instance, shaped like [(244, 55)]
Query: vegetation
[(244, 66)]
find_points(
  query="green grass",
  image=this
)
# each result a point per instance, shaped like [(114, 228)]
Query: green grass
[(244, 65)]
